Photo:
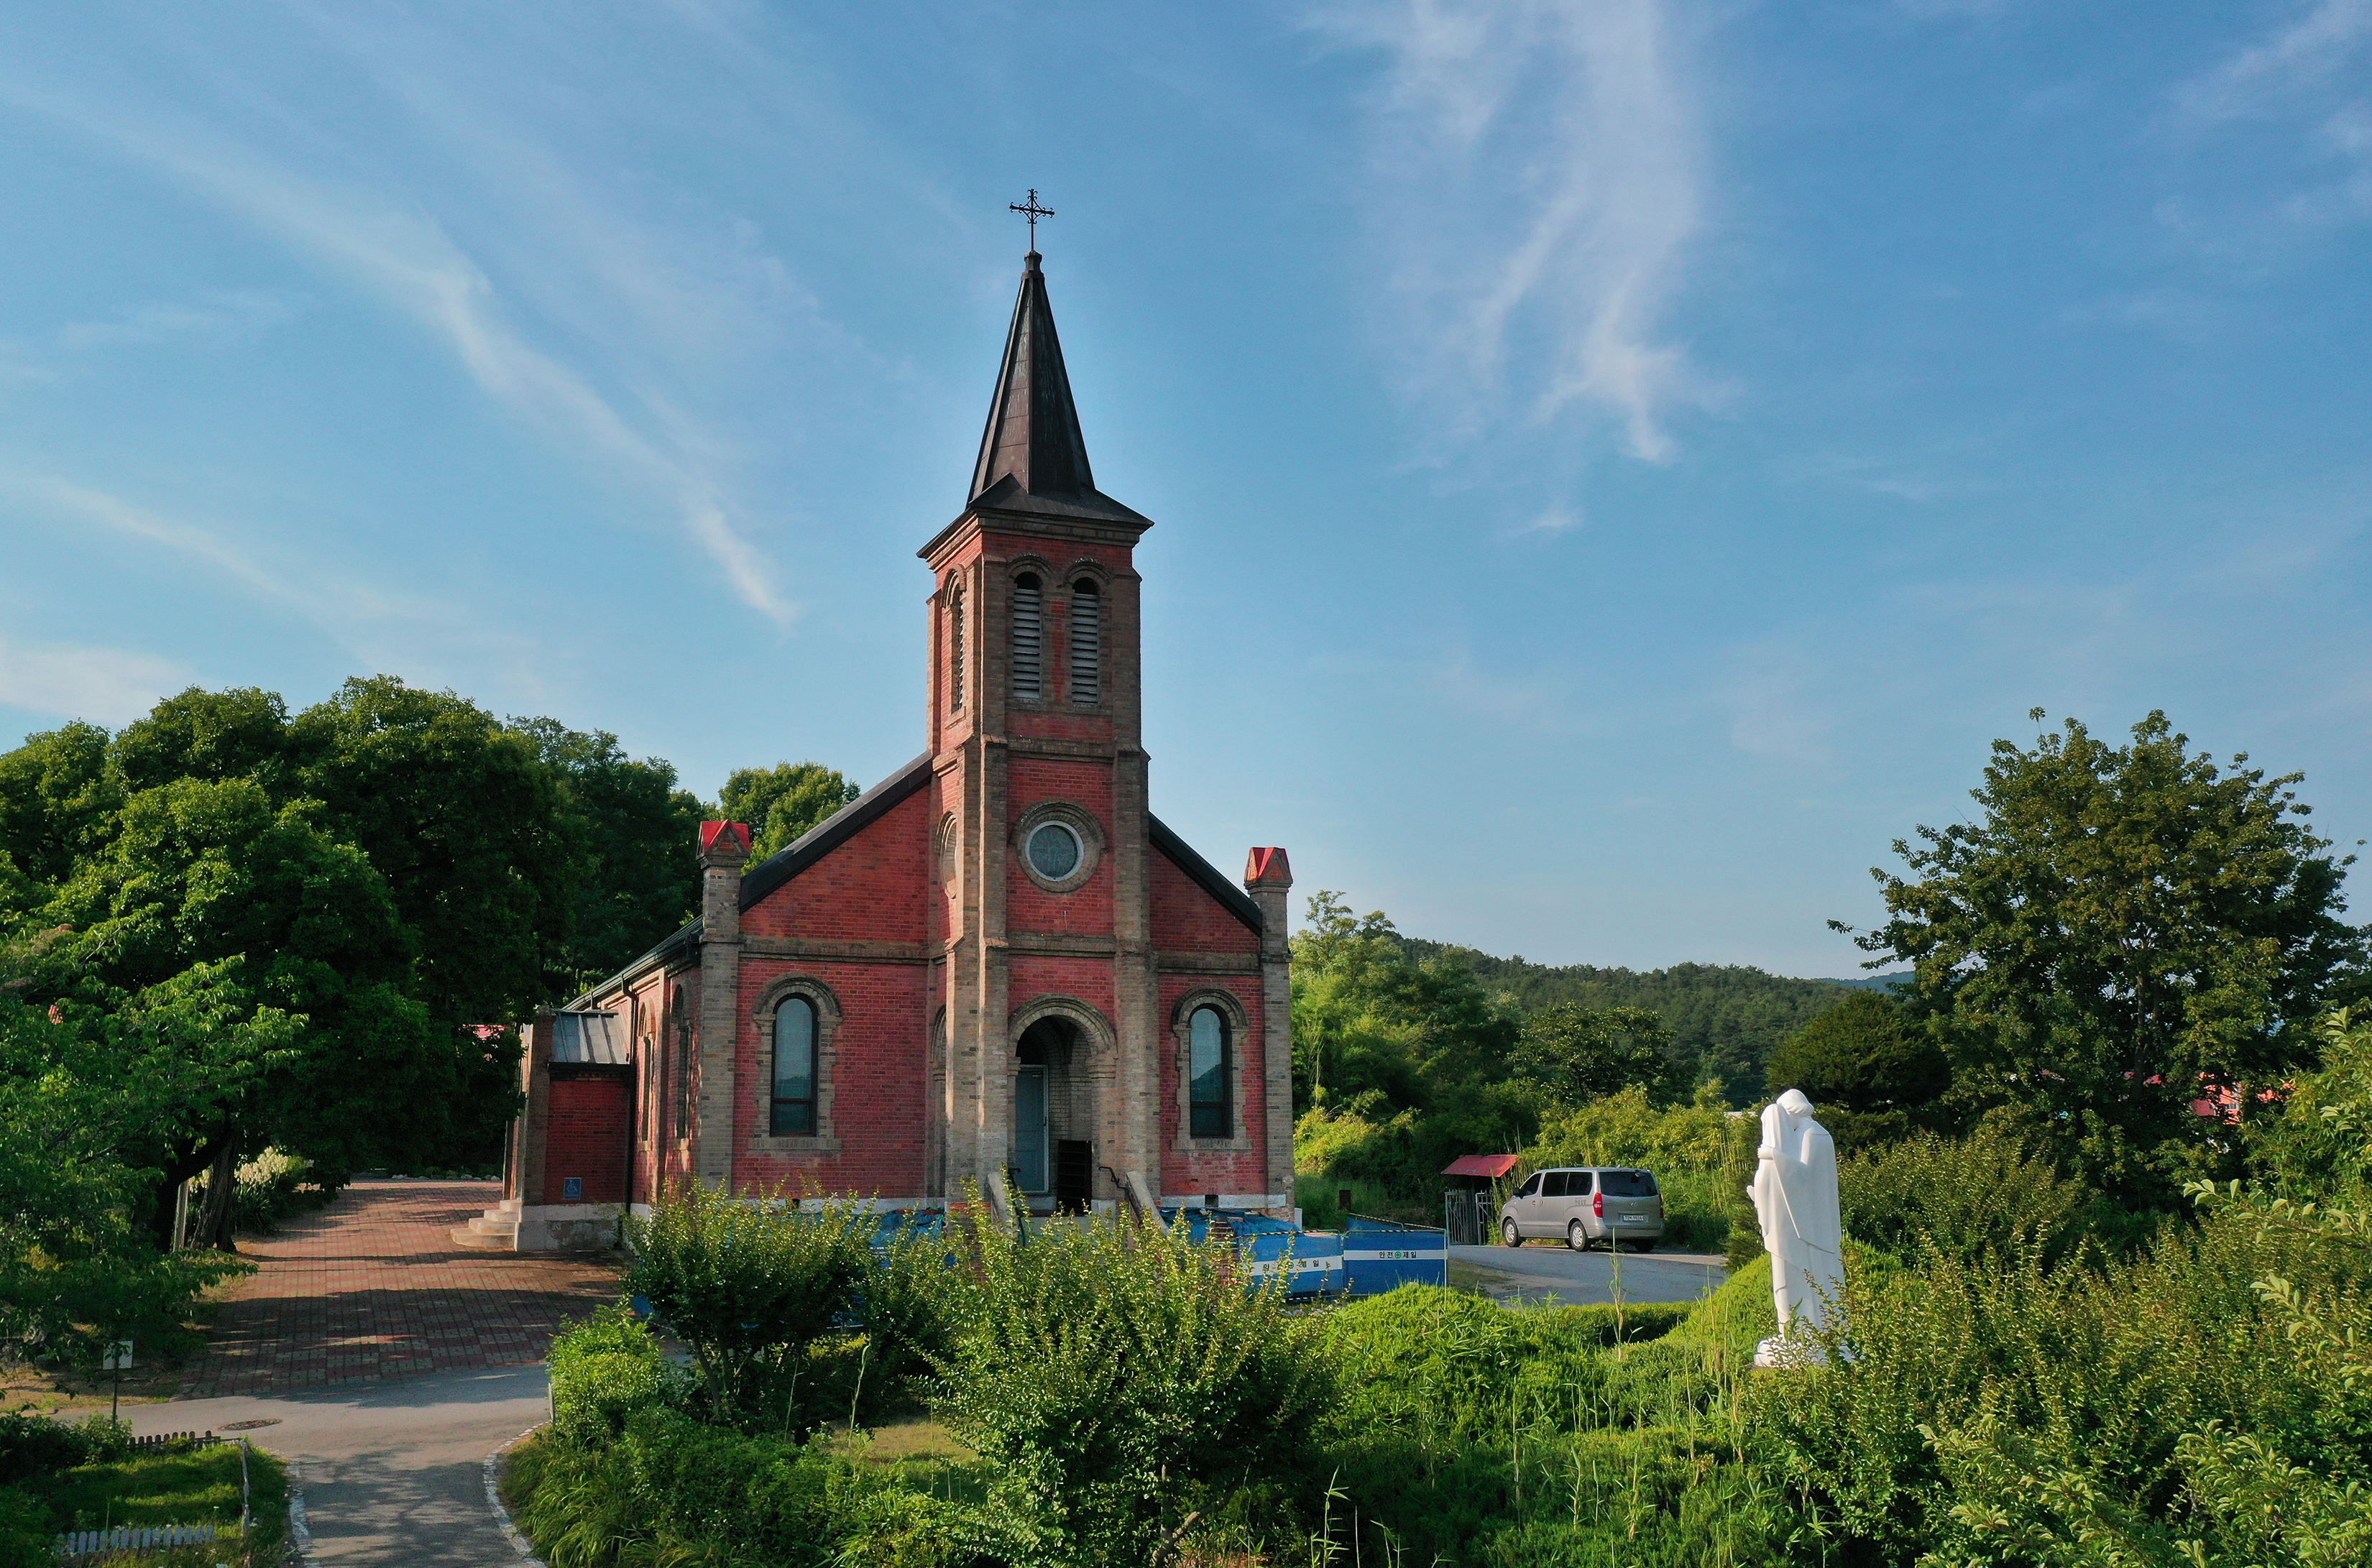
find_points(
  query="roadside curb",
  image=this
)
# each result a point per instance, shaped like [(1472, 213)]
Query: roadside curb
[(519, 1543), (300, 1538)]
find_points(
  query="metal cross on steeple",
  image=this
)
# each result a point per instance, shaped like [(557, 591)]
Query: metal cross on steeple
[(1033, 212)]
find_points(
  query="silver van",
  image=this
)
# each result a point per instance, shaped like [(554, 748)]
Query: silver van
[(1587, 1207)]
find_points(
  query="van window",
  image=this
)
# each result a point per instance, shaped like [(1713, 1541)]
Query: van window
[(1628, 1184), (1559, 1184), (1530, 1188)]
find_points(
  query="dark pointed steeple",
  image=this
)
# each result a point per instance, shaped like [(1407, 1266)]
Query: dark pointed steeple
[(1032, 457)]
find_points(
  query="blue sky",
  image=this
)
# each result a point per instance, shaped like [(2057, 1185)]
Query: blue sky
[(1617, 464)]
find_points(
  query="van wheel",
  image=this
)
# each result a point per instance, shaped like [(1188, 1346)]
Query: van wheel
[(1509, 1235), (1577, 1235)]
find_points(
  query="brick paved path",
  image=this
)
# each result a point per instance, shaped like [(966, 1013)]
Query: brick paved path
[(372, 1287)]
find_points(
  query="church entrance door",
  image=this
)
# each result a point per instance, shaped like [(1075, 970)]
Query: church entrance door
[(1029, 1128)]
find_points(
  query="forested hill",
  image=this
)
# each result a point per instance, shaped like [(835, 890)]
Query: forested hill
[(1726, 1016)]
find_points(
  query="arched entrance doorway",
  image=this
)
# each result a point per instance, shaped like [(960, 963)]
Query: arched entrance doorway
[(1054, 1116)]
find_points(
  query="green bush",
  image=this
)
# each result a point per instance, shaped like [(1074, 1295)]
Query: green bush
[(914, 1302), (603, 1370), (672, 1489), (748, 1283), (1962, 1197), (1117, 1378)]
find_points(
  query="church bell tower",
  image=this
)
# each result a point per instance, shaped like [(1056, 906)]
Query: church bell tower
[(1044, 1064)]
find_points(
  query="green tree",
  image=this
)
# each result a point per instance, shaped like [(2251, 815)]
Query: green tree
[(1872, 1077), (783, 802), (638, 877), (1579, 1053), (2120, 927), (57, 797)]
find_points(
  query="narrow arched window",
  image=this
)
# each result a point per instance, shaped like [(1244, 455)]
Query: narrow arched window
[(955, 647), (1087, 642), (794, 1064), (1029, 639), (682, 1064), (1206, 1067)]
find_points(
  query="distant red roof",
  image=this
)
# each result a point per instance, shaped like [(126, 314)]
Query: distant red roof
[(1493, 1166)]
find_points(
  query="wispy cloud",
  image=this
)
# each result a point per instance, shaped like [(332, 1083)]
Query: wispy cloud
[(1540, 173), (222, 314), (2303, 72), (107, 686), (374, 622), (1774, 711), (406, 258)]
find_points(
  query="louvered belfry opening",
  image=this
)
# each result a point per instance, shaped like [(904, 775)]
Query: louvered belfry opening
[(1087, 643), (1029, 639), (955, 647)]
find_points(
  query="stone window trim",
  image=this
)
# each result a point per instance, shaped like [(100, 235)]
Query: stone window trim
[(1181, 1034), (944, 843), (824, 1139), (1079, 820)]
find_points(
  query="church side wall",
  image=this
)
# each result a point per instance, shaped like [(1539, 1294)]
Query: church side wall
[(1189, 926), (854, 922)]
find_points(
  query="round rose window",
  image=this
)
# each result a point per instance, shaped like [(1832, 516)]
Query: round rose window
[(1054, 850)]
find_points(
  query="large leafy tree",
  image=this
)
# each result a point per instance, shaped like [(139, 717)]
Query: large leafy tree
[(1874, 1078), (783, 802), (2120, 929), (1419, 1050), (638, 877), (1578, 1053)]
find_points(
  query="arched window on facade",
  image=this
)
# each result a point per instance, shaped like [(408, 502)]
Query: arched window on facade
[(1087, 642), (795, 1068), (682, 1064), (955, 647), (1206, 1063), (1029, 638)]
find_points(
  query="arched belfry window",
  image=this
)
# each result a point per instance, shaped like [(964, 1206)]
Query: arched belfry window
[(794, 1069), (1209, 1096), (955, 647), (1029, 638), (1087, 642)]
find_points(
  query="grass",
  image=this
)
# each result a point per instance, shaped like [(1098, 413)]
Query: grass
[(177, 1486)]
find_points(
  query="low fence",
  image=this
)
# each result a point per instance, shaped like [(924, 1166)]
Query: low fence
[(1468, 1217), (125, 1538)]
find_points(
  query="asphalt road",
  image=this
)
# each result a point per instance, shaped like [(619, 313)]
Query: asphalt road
[(393, 1470), (1541, 1271)]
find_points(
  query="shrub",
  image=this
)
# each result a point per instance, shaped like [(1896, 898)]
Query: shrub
[(747, 1283), (603, 1370), (913, 1301), (34, 1444), (1965, 1197), (1119, 1377)]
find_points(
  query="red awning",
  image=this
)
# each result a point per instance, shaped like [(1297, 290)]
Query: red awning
[(1493, 1165)]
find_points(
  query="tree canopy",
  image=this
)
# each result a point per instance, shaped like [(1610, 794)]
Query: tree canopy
[(2120, 930), (783, 802), (1873, 1077)]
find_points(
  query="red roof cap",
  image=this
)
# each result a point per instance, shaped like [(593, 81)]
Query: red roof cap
[(1493, 1165), (710, 831)]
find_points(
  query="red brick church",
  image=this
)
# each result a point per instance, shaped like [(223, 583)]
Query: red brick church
[(994, 966)]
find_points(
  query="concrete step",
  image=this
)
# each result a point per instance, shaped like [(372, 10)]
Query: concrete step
[(480, 1241), (489, 1224)]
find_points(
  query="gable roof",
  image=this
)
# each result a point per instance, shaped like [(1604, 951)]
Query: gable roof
[(1204, 875), (869, 809)]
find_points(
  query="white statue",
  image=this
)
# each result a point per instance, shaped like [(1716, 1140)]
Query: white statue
[(1795, 1195)]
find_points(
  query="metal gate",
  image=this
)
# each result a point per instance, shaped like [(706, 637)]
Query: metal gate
[(1466, 1217)]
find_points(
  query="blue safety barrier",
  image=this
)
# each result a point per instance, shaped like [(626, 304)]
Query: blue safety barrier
[(1267, 1246), (1378, 1256)]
